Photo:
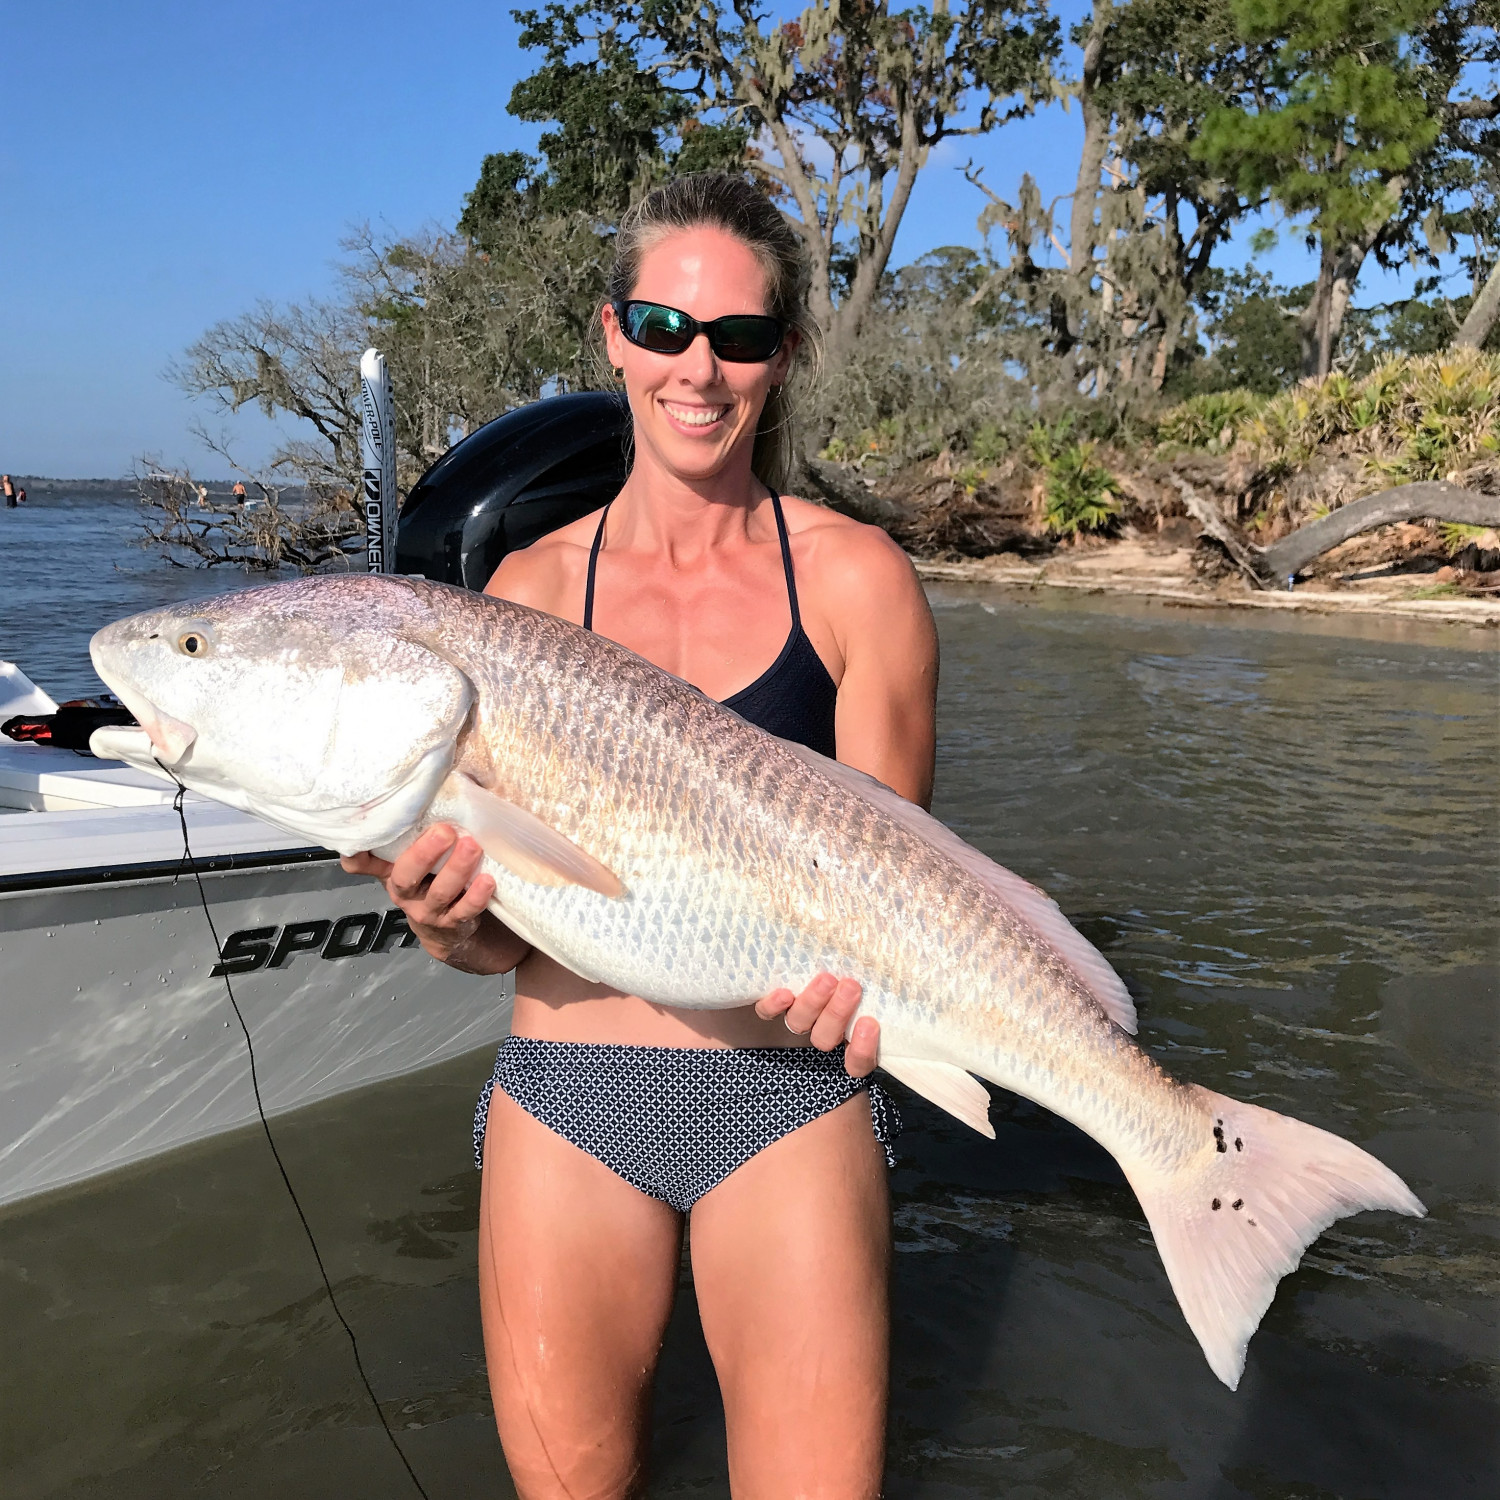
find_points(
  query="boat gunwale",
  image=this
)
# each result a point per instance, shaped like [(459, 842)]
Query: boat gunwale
[(25, 881)]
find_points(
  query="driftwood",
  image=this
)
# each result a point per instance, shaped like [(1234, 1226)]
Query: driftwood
[(259, 537), (845, 492), (1244, 555), (1409, 502)]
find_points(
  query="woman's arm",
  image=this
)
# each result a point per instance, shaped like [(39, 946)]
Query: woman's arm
[(887, 705)]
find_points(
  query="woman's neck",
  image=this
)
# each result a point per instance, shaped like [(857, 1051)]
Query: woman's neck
[(660, 511)]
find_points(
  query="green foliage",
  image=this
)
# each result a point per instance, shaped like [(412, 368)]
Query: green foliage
[(1081, 493), (1409, 419), (835, 111), (1456, 536), (1346, 108), (619, 125), (1211, 421), (504, 193), (1165, 67), (1251, 327), (989, 444), (925, 372)]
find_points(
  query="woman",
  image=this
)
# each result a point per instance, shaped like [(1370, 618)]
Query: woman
[(814, 627)]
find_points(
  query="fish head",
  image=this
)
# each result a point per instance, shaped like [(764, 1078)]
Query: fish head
[(312, 704)]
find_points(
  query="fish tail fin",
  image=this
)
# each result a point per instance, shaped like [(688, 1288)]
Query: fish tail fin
[(1236, 1220)]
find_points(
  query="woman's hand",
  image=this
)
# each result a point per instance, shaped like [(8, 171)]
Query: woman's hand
[(821, 1013), (445, 908)]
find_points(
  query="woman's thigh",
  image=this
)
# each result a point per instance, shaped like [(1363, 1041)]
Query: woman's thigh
[(791, 1262), (577, 1271)]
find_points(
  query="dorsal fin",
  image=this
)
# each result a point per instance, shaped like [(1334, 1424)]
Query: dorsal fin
[(1033, 906)]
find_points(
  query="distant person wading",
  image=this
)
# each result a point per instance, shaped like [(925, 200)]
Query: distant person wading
[(762, 1125), (9, 490)]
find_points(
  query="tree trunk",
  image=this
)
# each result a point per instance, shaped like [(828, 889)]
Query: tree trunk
[(1322, 320), (852, 311), (1483, 313), (1408, 502), (1339, 266), (1082, 231)]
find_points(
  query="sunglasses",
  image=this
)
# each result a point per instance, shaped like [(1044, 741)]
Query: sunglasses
[(740, 339)]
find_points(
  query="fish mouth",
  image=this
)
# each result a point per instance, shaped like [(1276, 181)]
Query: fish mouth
[(170, 738)]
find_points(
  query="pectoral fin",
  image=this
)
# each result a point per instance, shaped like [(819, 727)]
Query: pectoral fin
[(522, 842), (950, 1088)]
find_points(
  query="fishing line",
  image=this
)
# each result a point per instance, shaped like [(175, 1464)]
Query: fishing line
[(260, 1109)]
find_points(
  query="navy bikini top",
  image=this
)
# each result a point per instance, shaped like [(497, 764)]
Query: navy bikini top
[(794, 697)]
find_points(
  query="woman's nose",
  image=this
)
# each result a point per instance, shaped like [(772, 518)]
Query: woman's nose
[(699, 362)]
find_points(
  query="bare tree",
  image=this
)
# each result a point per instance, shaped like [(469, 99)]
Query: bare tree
[(469, 331), (262, 536), (301, 361)]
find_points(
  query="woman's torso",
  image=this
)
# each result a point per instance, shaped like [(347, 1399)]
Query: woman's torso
[(729, 620)]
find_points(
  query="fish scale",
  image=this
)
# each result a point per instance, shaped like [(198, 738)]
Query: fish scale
[(651, 840)]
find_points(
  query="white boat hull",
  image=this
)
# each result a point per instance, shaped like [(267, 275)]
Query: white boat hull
[(117, 1040)]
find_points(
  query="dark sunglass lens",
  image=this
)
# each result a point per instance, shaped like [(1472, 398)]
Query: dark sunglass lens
[(746, 340), (661, 328)]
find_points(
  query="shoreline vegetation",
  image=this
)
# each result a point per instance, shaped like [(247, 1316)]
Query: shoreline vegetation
[(1185, 510), (1200, 505), (1107, 369)]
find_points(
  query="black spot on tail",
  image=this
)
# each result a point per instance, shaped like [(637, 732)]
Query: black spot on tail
[(1238, 1203), (1239, 1145), (1219, 1137), (1216, 1205)]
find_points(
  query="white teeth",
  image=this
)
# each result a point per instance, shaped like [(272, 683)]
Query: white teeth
[(695, 416)]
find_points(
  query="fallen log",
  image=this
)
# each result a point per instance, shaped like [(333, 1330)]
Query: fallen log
[(843, 491), (1430, 500)]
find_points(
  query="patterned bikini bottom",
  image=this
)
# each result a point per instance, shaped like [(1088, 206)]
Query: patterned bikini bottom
[(676, 1121)]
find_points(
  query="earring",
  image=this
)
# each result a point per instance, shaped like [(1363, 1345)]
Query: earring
[(618, 372)]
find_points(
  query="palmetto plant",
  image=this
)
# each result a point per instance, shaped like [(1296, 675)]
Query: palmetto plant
[(1409, 419), (1212, 421), (1081, 493)]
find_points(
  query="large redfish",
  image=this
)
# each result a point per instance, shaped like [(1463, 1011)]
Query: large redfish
[(649, 839)]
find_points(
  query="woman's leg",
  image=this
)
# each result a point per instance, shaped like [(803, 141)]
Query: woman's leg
[(577, 1271), (791, 1262)]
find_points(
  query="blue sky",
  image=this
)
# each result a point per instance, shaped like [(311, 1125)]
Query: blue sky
[(166, 165)]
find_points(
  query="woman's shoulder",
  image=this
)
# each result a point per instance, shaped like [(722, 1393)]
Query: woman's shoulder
[(550, 573), (836, 552)]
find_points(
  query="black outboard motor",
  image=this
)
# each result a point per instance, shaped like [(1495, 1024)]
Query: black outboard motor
[(514, 479)]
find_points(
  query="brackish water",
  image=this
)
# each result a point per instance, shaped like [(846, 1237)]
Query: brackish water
[(69, 566), (1286, 838)]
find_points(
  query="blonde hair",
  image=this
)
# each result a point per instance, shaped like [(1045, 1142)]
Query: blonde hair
[(739, 208)]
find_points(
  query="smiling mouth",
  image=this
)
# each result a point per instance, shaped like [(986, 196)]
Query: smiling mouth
[(695, 416)]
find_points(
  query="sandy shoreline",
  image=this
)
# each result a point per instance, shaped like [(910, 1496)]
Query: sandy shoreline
[(1145, 571)]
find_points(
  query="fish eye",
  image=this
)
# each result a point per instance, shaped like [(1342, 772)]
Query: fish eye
[(193, 643)]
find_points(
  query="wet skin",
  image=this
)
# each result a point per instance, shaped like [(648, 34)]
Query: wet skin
[(790, 1252)]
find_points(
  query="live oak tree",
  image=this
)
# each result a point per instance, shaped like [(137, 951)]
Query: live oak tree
[(1145, 217), (836, 110)]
